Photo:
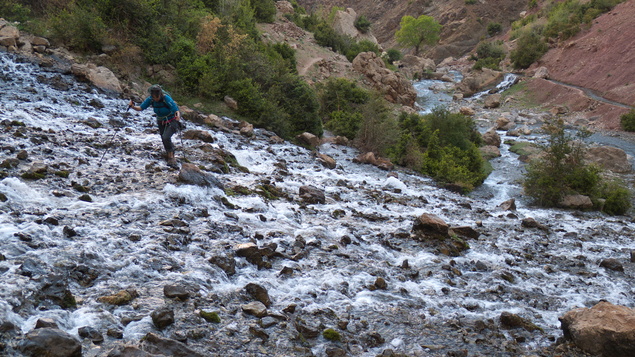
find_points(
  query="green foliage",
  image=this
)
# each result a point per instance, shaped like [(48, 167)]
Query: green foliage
[(210, 316), (362, 24), (341, 101), (494, 28), (264, 10), (443, 145), (13, 11), (530, 48), (489, 55), (344, 123), (79, 28), (470, 2), (565, 18), (394, 55), (361, 46), (288, 54), (628, 121), (617, 198), (423, 30), (561, 171)]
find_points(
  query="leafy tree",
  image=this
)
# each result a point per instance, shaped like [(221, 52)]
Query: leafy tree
[(362, 24), (423, 30), (531, 47)]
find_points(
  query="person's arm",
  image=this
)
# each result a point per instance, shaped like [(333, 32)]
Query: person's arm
[(142, 106)]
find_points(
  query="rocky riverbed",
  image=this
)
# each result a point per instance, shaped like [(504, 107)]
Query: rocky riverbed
[(259, 249)]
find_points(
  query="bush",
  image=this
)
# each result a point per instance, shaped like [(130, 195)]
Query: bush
[(362, 24), (394, 55), (79, 29), (264, 10), (561, 171), (443, 145), (628, 121), (362, 46), (489, 55), (494, 28), (531, 47), (344, 123)]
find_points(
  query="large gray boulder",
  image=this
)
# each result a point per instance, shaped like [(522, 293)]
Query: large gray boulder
[(99, 76), (50, 342)]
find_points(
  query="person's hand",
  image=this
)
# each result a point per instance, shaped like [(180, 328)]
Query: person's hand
[(177, 116)]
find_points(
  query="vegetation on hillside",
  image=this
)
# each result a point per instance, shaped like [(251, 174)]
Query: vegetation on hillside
[(424, 30), (557, 20), (562, 170)]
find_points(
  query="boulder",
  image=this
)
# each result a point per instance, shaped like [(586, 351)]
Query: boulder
[(191, 174), (309, 139), (370, 158), (153, 343), (255, 308), (415, 67), (492, 101), (491, 137), (198, 135), (609, 158), (467, 111), (50, 342), (489, 151), (312, 194), (576, 202), (395, 86), (326, 161), (479, 80), (430, 224), (542, 72), (100, 77), (605, 329)]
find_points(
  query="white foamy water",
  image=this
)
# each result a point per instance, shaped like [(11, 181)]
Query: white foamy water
[(343, 254)]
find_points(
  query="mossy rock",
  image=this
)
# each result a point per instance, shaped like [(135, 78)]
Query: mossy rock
[(331, 335), (3, 197), (62, 173), (210, 316), (33, 176), (523, 148)]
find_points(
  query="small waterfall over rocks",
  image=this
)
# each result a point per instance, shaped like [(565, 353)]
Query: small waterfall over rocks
[(123, 257)]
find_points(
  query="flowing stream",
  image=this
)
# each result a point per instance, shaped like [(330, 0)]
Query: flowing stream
[(329, 256)]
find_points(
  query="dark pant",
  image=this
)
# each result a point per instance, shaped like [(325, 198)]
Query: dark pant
[(166, 132)]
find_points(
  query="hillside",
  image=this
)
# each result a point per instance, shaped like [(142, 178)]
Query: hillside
[(601, 59)]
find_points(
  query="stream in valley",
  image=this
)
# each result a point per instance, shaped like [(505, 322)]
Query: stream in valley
[(143, 230)]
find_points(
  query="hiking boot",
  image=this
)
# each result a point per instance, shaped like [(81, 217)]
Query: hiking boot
[(172, 161)]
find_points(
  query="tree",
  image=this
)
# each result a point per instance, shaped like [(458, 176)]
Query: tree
[(423, 30)]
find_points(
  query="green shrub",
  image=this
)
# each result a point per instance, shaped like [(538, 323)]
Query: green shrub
[(628, 121), (561, 171), (264, 10), (393, 55), (79, 28), (443, 145), (12, 11), (362, 46), (494, 28), (530, 48), (331, 335), (470, 2), (617, 196), (489, 55), (362, 24)]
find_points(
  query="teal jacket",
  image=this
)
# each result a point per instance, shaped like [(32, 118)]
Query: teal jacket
[(165, 109)]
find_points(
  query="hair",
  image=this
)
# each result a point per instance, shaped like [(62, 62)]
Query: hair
[(155, 88)]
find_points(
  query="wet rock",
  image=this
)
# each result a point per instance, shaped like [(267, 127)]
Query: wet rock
[(84, 275), (51, 343), (605, 329), (101, 77), (115, 333), (45, 323), (335, 352), (91, 333), (466, 231), (509, 205), (326, 161), (201, 135), (307, 330), (226, 263), (246, 129), (85, 198), (491, 137), (530, 222), (176, 292), (69, 232), (467, 111), (430, 225), (373, 339), (513, 321), (153, 343), (22, 155), (489, 152), (210, 316), (380, 283), (268, 321), (129, 351), (57, 292), (309, 139), (255, 308), (258, 332), (191, 174), (252, 253), (312, 195), (121, 298), (612, 264), (92, 122), (259, 293), (162, 317), (371, 159)]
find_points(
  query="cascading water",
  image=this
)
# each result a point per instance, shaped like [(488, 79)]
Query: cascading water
[(143, 230)]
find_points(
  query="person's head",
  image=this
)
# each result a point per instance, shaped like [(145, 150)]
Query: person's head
[(156, 92)]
